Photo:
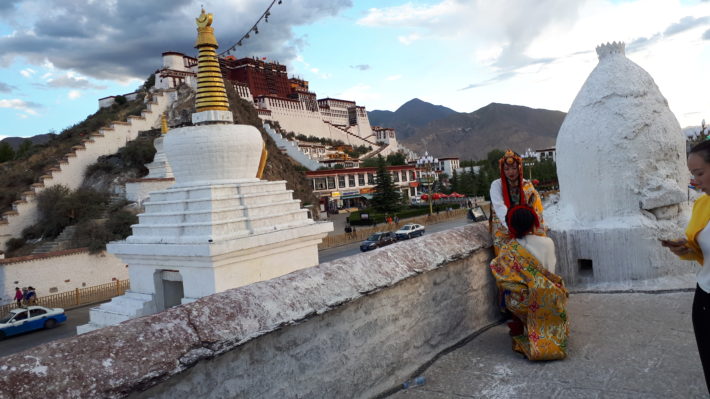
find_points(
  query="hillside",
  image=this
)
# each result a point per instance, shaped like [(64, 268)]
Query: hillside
[(409, 117), (473, 135), (39, 139)]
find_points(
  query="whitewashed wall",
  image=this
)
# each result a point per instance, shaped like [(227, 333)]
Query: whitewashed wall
[(59, 272)]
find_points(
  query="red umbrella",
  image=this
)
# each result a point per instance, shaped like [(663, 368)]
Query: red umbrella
[(424, 197), (455, 195), (436, 196)]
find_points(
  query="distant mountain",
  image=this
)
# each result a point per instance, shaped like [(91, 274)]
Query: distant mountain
[(447, 133), (409, 117), (38, 139)]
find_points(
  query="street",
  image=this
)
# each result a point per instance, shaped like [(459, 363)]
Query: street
[(19, 343), (79, 316), (330, 254)]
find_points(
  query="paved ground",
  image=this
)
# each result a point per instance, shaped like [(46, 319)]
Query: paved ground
[(19, 343), (622, 345)]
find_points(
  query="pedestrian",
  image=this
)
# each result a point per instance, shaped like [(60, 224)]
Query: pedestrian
[(19, 296), (31, 295), (348, 230), (396, 219), (693, 246)]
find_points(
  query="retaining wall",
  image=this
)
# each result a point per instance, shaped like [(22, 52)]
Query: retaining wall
[(59, 271), (354, 327)]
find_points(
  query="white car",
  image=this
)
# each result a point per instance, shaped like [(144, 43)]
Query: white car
[(409, 230), (30, 318)]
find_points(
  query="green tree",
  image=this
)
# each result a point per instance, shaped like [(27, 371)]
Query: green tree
[(454, 181), (24, 151), (386, 198), (396, 158), (6, 152), (369, 163)]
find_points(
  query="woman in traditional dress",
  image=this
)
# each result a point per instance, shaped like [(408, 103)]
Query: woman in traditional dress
[(695, 246), (508, 191), (535, 296)]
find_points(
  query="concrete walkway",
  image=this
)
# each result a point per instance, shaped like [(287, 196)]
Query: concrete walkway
[(622, 345)]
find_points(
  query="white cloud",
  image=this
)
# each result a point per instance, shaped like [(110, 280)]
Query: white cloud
[(74, 94), (21, 105), (360, 93), (394, 77), (27, 72), (409, 39)]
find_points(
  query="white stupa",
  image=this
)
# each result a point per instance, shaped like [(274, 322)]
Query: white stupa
[(219, 226), (623, 177)]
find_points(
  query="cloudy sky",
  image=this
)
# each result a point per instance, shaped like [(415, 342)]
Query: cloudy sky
[(57, 57)]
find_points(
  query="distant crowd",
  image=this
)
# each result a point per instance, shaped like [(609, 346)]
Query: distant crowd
[(25, 296)]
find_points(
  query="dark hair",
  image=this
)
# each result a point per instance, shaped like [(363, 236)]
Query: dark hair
[(702, 149), (521, 221)]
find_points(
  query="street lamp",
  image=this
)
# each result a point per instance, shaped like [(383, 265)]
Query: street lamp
[(428, 163)]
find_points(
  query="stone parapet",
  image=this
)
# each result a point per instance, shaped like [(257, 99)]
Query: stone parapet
[(354, 327)]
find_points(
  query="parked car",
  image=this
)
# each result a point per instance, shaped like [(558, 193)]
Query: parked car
[(477, 214), (378, 240), (30, 318), (409, 230)]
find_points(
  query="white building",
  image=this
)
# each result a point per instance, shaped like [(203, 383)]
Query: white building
[(448, 165)]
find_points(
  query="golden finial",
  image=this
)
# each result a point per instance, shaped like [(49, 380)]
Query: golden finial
[(211, 95), (204, 20), (164, 123)]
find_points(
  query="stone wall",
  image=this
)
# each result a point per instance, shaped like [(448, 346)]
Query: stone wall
[(59, 271), (354, 327)]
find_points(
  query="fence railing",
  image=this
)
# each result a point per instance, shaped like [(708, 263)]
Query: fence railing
[(78, 297), (362, 232)]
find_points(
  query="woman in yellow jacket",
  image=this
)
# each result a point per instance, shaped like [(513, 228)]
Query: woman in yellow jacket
[(694, 246)]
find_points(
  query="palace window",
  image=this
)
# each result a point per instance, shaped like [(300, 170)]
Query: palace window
[(331, 182), (361, 179), (351, 180), (412, 175), (395, 176), (370, 178), (341, 181), (319, 183)]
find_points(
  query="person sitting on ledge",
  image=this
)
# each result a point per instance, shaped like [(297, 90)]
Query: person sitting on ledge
[(529, 290)]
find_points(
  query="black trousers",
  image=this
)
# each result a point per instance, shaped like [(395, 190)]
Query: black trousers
[(701, 325)]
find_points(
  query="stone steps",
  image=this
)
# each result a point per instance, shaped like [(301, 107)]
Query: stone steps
[(70, 170)]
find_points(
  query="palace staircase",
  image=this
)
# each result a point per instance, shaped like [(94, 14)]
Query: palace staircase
[(70, 170)]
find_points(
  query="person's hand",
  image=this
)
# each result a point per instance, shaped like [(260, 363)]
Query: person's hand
[(678, 247)]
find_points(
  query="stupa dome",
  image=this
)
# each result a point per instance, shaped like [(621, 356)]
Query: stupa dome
[(620, 150)]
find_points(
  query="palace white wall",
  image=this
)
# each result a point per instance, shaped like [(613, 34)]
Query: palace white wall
[(59, 272)]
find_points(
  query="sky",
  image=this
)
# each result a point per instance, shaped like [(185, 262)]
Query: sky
[(58, 57)]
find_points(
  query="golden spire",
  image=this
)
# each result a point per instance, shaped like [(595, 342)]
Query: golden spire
[(164, 123), (211, 94)]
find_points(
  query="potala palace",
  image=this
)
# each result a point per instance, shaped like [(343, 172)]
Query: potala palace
[(288, 102)]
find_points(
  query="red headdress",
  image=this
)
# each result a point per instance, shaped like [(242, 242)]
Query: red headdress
[(511, 158), (511, 211)]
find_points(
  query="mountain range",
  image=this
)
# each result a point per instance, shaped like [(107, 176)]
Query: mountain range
[(443, 132)]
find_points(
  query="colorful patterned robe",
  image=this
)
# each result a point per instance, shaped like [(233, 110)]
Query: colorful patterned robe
[(500, 233), (537, 297)]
